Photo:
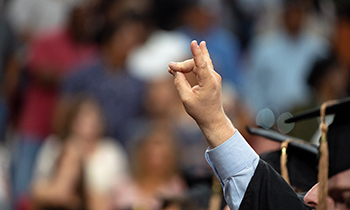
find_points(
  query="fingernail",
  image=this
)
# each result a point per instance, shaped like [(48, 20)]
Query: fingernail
[(195, 41), (172, 63), (171, 71)]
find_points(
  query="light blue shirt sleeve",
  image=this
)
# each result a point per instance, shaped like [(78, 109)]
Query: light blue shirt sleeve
[(234, 163)]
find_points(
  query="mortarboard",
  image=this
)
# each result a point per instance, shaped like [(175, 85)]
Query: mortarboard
[(338, 134), (302, 159), (334, 141)]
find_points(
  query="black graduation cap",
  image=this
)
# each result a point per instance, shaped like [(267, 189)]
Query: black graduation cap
[(338, 135), (301, 162)]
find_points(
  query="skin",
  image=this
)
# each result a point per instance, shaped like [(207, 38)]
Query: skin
[(59, 191), (203, 102), (339, 192)]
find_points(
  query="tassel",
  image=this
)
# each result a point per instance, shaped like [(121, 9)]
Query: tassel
[(323, 173), (284, 157), (324, 159)]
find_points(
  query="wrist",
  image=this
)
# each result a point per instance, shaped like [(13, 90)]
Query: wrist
[(217, 130)]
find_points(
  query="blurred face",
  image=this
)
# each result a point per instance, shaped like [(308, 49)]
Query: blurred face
[(157, 156), (338, 194), (81, 24), (87, 123), (294, 18), (199, 19), (337, 79), (130, 34), (161, 97)]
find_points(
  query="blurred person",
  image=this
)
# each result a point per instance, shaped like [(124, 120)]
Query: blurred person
[(251, 14), (147, 60), (110, 10), (9, 71), (161, 102), (279, 61), (328, 80), (8, 84), (200, 20), (342, 33), (107, 77), (77, 167), (31, 18), (321, 17), (160, 105), (163, 108), (318, 18), (50, 58), (154, 167), (4, 179)]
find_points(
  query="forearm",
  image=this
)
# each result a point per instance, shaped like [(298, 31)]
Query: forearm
[(45, 193)]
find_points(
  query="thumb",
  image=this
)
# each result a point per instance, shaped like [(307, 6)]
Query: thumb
[(182, 86)]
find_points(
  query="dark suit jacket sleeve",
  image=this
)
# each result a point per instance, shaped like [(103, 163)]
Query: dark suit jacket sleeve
[(267, 190)]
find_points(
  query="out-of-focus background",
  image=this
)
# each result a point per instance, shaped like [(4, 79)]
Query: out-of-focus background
[(90, 118)]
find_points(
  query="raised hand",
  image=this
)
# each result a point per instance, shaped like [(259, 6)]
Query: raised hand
[(203, 102)]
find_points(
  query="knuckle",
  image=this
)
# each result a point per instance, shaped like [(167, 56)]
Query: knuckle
[(185, 99), (203, 65), (215, 80)]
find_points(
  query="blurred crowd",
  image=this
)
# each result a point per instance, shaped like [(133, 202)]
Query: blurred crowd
[(90, 118)]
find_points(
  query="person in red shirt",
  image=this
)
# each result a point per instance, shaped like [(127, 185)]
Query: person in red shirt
[(51, 57)]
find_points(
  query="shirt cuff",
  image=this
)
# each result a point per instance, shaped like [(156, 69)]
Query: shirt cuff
[(231, 157)]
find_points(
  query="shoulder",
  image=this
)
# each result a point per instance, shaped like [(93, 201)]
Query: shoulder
[(110, 145), (51, 147), (47, 157), (111, 153), (106, 167)]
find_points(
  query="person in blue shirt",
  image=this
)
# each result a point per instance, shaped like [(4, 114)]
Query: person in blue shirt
[(107, 79)]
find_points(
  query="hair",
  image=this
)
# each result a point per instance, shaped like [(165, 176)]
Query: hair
[(68, 110), (105, 34), (343, 8), (320, 68), (142, 138)]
